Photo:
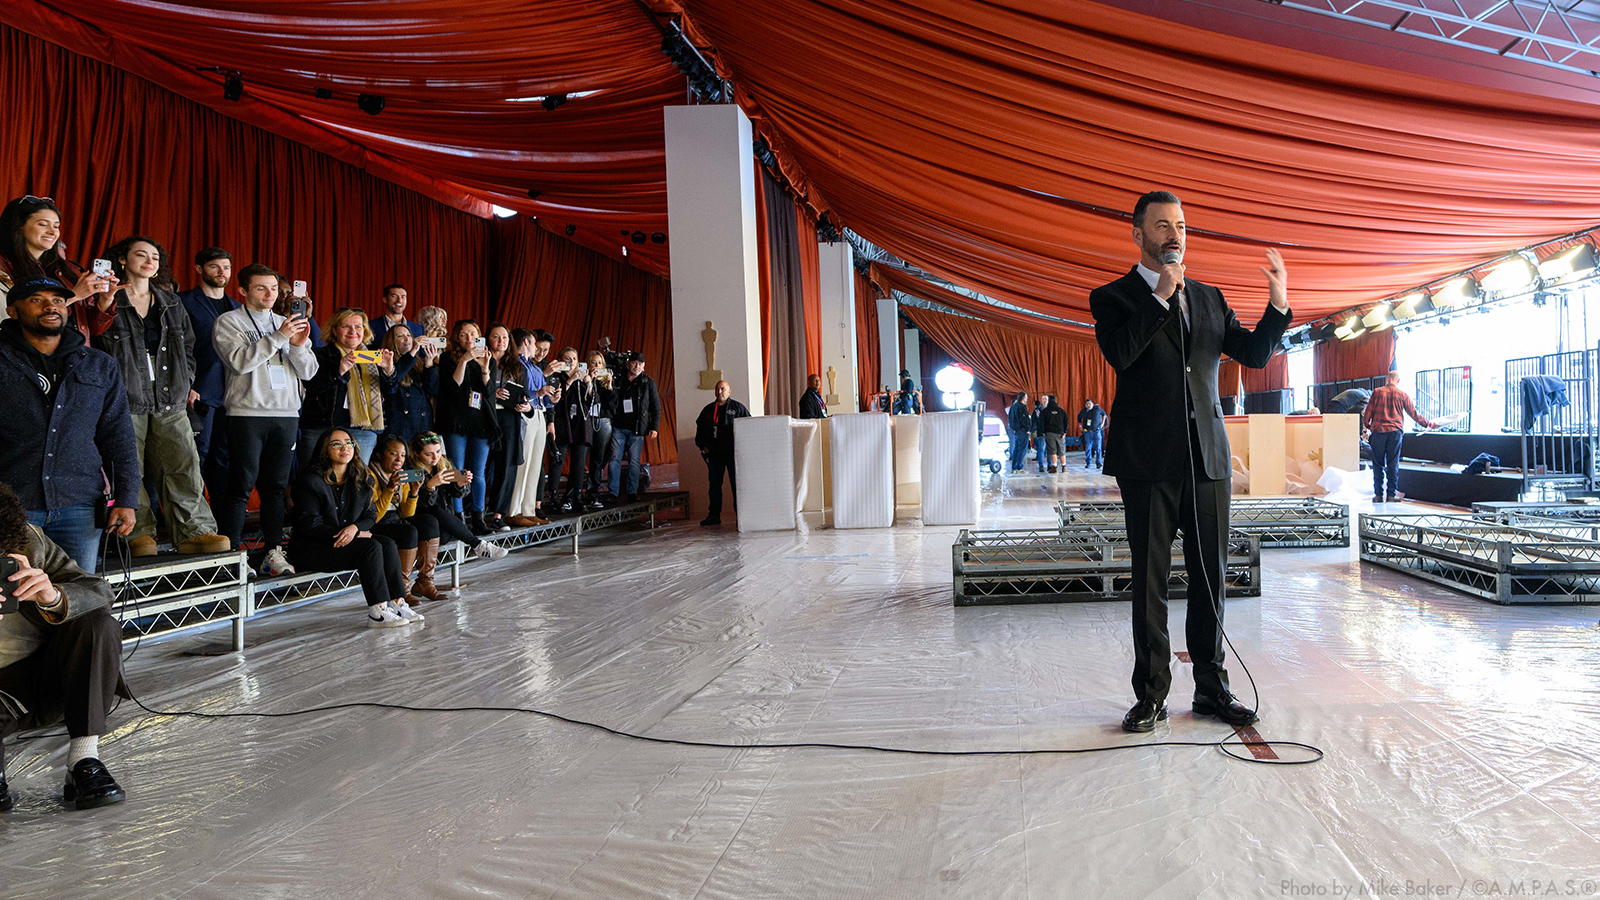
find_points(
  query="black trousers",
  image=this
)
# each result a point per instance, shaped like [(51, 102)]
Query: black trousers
[(211, 443), (72, 679), (438, 522), (375, 559), (260, 454), (577, 457), (504, 460), (716, 466), (404, 534), (1156, 512)]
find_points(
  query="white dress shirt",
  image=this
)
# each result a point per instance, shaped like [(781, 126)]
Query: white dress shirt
[(1153, 278)]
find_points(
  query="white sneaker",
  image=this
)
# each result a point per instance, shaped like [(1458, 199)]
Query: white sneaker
[(381, 616), (404, 611), (275, 563), (486, 550)]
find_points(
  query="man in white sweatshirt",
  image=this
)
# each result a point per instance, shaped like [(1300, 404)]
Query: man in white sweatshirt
[(264, 356)]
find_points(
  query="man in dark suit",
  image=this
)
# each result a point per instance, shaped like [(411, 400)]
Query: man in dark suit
[(205, 303), (713, 434), (1164, 334)]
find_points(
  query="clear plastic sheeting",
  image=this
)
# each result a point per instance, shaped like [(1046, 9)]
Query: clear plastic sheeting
[(1460, 736)]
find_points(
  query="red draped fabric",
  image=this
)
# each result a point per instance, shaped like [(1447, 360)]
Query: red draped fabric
[(121, 156), (810, 290), (1275, 377), (1007, 360), (1228, 379), (1367, 356), (581, 296), (867, 350)]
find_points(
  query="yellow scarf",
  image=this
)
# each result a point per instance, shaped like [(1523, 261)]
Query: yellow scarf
[(366, 403)]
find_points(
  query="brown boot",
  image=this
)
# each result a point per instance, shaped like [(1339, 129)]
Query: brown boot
[(144, 545), (428, 556), (408, 561)]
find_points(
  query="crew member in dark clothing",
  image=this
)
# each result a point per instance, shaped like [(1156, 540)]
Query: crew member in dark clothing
[(713, 434), (1018, 424), (811, 405), (1092, 423), (1053, 425)]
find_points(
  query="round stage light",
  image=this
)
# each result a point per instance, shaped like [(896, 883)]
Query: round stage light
[(953, 380), (958, 399)]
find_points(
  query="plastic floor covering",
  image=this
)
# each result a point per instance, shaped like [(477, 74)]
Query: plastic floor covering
[(1461, 739)]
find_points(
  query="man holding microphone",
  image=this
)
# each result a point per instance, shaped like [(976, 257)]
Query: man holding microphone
[(1165, 333)]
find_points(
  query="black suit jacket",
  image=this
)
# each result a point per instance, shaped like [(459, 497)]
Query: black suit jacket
[(1144, 342)]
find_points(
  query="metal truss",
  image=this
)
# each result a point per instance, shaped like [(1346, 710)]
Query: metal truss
[(1279, 521), (1511, 512), (1546, 561), (1562, 36), (1076, 563)]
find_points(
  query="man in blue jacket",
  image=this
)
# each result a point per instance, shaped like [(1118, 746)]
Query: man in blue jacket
[(205, 303), (1018, 424), (67, 421)]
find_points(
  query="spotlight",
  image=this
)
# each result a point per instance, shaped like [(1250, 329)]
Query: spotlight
[(826, 230), (624, 232), (233, 87), (1574, 261), (1512, 276), (658, 238), (551, 101), (501, 211), (1456, 292), (533, 193), (371, 104), (637, 237), (764, 154), (572, 230), (1316, 334), (1379, 318), (324, 93), (1413, 305), (1351, 329)]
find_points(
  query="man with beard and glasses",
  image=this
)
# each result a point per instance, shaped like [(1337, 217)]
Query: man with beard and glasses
[(206, 412), (1165, 333)]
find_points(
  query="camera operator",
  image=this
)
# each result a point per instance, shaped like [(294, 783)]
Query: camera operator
[(69, 421), (637, 416), (60, 655)]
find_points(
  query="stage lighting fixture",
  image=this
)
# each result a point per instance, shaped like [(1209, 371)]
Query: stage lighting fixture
[(324, 93), (953, 379), (1351, 329), (1573, 261), (638, 237), (658, 237), (1413, 305), (1456, 292), (552, 101), (533, 193), (501, 211), (371, 104), (572, 230), (826, 230), (1379, 318), (1512, 276), (233, 87), (624, 251)]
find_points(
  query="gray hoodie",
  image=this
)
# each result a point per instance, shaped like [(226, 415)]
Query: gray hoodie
[(251, 347)]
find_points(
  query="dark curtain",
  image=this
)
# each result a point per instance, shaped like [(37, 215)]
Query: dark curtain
[(1369, 355), (1275, 377), (121, 156), (867, 349), (786, 356), (580, 296)]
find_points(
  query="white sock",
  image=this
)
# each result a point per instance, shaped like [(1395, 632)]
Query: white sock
[(83, 748)]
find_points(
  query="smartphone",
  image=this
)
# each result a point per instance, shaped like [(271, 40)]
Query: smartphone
[(581, 370), (367, 356), (436, 343), (8, 599), (299, 289), (298, 307), (102, 268), (479, 342), (412, 476)]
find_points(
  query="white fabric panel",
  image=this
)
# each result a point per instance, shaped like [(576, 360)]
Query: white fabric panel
[(950, 494), (808, 464), (763, 452), (862, 458), (907, 460)]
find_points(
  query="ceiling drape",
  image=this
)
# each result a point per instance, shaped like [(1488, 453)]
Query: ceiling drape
[(810, 289), (867, 350)]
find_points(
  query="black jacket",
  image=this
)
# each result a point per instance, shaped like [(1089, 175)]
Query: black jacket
[(1160, 381), (322, 509), (1053, 419), (811, 405), (53, 456), (713, 431), (173, 362), (1017, 417), (328, 391), (574, 414), (209, 382), (452, 409), (408, 408), (638, 407)]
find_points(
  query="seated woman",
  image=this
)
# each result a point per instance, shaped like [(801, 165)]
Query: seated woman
[(397, 492), (333, 529), (436, 500)]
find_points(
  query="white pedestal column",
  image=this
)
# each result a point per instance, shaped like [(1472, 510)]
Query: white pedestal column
[(711, 214), (912, 360), (839, 329), (888, 345)]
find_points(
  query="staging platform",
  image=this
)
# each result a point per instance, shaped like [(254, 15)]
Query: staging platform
[(1542, 561), (1078, 562), (1513, 511), (1279, 521)]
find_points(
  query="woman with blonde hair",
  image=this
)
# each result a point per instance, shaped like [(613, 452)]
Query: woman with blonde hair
[(347, 391), (408, 394)]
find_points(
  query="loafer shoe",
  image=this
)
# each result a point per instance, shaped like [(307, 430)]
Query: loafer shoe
[(1144, 715), (1226, 707), (206, 543), (143, 546), (89, 785)]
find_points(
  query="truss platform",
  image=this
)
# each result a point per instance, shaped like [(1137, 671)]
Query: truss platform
[(1077, 563), (1279, 521), (1546, 561), (1515, 512)]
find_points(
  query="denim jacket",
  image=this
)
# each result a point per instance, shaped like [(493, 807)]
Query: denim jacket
[(172, 365)]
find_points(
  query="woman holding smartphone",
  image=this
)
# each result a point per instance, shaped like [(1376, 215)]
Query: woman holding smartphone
[(30, 247), (574, 416), (468, 380), (347, 391), (333, 530), (397, 489), (601, 444), (511, 409), (442, 484), (152, 339), (409, 392)]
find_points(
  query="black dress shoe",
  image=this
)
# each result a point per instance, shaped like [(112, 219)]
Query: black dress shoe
[(89, 785), (1226, 707), (711, 520), (1144, 715), (8, 797)]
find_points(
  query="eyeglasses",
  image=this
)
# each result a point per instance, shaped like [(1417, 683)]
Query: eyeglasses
[(44, 199), (341, 445)]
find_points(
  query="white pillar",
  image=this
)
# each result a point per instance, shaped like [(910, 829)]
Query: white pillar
[(839, 327), (711, 214), (913, 357), (888, 344)]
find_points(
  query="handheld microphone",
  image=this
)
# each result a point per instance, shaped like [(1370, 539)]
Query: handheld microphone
[(1170, 257)]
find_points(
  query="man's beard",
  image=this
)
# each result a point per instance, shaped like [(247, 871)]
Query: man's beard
[(1156, 249), (218, 281), (45, 331)]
